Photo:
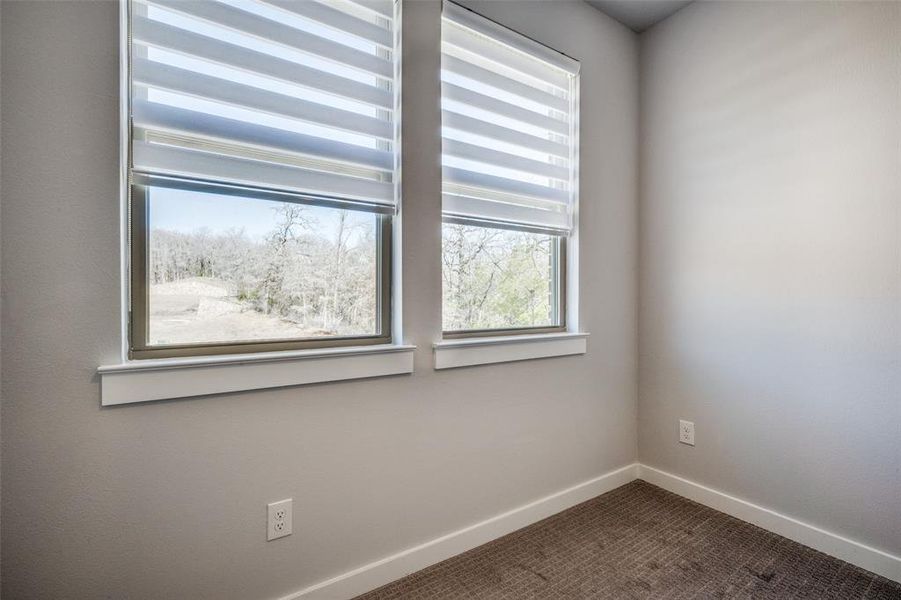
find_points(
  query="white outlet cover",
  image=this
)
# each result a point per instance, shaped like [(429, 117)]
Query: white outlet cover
[(279, 519), (687, 432)]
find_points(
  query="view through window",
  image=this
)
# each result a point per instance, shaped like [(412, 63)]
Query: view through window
[(499, 278), (227, 269)]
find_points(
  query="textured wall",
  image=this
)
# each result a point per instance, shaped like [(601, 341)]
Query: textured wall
[(771, 257), (167, 500)]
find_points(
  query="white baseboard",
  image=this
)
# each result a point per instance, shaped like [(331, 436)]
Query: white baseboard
[(856, 553), (386, 570), (378, 573)]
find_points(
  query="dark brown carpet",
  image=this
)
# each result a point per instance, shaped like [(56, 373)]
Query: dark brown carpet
[(640, 541)]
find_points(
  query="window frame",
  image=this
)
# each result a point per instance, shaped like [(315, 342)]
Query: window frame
[(133, 228), (139, 289), (567, 250), (559, 271)]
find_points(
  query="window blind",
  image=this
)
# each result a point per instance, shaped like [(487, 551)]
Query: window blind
[(509, 131), (286, 96)]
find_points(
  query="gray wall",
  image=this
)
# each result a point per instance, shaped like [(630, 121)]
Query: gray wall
[(771, 257), (167, 500)]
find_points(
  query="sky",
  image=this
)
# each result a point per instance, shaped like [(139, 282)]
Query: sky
[(186, 211), (178, 210)]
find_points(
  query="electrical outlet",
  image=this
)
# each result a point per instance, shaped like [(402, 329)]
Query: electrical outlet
[(280, 521), (687, 432)]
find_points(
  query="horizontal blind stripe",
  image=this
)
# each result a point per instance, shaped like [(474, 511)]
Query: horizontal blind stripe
[(503, 134), (266, 29), (479, 24), (165, 36), (477, 100), (488, 156), (487, 77), (337, 19), (382, 7), (501, 197), (496, 52), (155, 116), (161, 76), (466, 177), (243, 191), (182, 162), (488, 211)]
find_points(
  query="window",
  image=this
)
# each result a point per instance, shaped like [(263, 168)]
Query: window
[(263, 162), (500, 278), (509, 156)]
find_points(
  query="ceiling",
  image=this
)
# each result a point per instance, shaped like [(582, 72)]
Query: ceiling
[(638, 15)]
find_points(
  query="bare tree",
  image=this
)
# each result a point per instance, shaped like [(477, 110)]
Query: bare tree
[(282, 245), (317, 270)]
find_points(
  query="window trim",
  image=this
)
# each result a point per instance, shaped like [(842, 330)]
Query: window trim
[(138, 319), (561, 283), (451, 354), (168, 378)]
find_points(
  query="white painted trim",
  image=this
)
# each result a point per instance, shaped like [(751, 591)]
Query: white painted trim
[(573, 277), (124, 163), (388, 569), (384, 571), (465, 352), (397, 223), (833, 544), (162, 379)]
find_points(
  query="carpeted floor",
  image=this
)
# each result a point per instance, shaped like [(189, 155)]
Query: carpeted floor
[(640, 541)]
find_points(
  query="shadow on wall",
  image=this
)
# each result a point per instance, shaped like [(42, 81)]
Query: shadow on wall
[(771, 290)]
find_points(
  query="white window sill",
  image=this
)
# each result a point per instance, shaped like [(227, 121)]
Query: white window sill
[(163, 379), (465, 352)]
